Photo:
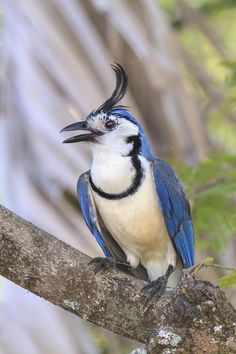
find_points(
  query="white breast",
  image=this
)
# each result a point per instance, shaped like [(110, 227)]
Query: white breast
[(136, 222)]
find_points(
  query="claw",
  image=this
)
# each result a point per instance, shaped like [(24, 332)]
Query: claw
[(157, 286), (98, 260), (106, 263), (147, 287), (101, 264)]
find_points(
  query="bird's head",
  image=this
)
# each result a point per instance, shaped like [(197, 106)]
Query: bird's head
[(111, 125)]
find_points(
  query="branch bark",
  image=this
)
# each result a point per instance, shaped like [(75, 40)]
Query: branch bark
[(194, 318)]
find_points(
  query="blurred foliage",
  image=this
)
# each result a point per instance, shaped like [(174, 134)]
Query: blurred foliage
[(229, 280), (208, 7), (222, 123), (231, 82), (220, 65), (110, 344), (211, 187)]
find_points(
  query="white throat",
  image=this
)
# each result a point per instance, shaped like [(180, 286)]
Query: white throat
[(111, 172)]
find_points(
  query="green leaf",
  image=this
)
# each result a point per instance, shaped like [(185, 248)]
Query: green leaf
[(229, 280), (208, 260)]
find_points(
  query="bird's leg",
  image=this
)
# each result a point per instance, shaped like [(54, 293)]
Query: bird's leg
[(158, 286), (102, 263)]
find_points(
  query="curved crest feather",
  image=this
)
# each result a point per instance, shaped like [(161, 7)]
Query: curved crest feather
[(119, 91)]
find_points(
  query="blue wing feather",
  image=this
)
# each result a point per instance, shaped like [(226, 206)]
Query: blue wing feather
[(89, 212), (95, 224), (176, 211)]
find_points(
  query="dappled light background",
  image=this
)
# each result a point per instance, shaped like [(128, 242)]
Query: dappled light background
[(180, 59)]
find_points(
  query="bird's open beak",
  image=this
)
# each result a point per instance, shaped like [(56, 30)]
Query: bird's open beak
[(92, 133)]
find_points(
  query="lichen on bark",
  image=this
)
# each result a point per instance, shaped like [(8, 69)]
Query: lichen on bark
[(196, 317)]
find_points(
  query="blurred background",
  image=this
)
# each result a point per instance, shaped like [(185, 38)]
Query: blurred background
[(55, 68)]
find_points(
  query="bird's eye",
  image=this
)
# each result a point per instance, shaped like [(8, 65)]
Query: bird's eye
[(110, 124)]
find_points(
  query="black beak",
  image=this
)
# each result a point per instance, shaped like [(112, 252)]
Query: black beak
[(92, 133)]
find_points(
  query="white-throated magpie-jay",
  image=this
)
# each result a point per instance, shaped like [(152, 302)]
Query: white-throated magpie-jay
[(132, 202)]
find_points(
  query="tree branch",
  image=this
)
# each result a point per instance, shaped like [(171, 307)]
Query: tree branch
[(194, 318)]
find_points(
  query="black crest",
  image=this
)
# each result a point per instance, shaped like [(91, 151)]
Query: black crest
[(120, 89)]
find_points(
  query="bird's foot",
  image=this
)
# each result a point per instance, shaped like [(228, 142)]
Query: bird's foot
[(102, 263), (157, 287)]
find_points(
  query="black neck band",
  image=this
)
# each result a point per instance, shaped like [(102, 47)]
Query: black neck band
[(136, 141), (130, 190)]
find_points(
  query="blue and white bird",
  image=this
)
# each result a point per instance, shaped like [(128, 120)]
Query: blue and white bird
[(132, 202)]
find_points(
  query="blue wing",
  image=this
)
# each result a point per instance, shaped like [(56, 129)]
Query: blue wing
[(89, 211), (176, 211)]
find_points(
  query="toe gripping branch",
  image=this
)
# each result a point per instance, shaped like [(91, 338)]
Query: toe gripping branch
[(157, 287), (102, 264)]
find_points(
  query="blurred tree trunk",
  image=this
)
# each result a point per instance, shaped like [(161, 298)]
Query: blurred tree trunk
[(57, 56)]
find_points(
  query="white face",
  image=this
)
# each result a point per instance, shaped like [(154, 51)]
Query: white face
[(116, 131)]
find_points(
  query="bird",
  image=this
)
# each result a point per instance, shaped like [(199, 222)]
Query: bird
[(132, 202)]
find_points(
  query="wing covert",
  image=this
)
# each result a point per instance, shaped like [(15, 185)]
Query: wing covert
[(89, 211), (95, 224), (176, 211)]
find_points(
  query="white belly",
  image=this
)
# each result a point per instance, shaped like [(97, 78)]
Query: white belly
[(137, 224)]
